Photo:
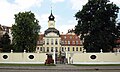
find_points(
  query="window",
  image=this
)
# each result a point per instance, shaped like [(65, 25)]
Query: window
[(76, 48), (37, 48), (73, 49), (62, 42), (80, 49), (51, 41), (47, 41), (65, 42), (65, 37), (70, 37), (68, 42), (5, 56), (62, 49), (40, 48), (93, 56), (68, 48), (56, 42), (56, 49), (77, 42), (73, 42), (65, 48), (31, 57), (51, 49), (47, 49)]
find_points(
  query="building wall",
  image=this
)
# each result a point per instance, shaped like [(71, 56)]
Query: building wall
[(38, 58), (72, 48), (50, 42), (98, 58)]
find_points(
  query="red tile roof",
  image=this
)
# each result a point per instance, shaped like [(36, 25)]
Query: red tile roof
[(40, 40), (70, 40), (66, 40)]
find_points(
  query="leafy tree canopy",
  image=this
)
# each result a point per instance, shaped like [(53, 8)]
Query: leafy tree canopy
[(6, 43), (97, 25), (25, 32)]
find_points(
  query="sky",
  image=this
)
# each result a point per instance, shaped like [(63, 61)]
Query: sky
[(63, 10)]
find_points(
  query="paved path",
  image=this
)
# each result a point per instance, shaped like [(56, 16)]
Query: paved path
[(60, 68)]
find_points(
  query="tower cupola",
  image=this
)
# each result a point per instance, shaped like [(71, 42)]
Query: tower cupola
[(51, 17)]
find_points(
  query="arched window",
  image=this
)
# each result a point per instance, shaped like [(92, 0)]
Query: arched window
[(68, 42), (62, 49), (76, 48), (47, 49), (51, 41), (47, 41), (56, 41), (68, 48), (40, 48), (56, 49), (73, 49), (51, 49)]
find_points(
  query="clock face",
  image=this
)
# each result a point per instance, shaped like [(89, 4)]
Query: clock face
[(51, 23)]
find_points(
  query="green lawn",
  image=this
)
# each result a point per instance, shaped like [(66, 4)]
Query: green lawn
[(96, 64), (26, 65)]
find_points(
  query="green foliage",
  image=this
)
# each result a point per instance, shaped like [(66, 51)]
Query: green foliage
[(25, 32), (97, 25), (5, 43), (118, 27)]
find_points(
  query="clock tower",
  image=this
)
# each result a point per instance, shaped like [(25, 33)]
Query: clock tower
[(51, 21)]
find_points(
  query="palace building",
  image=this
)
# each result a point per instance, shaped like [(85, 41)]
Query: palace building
[(53, 40)]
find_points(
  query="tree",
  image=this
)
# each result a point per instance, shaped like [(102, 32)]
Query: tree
[(97, 25), (25, 32), (118, 27), (0, 43), (6, 43)]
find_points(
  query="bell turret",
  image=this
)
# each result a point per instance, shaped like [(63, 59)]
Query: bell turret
[(51, 17)]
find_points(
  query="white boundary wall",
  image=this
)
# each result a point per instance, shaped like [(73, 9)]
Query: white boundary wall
[(73, 58), (99, 58), (23, 58)]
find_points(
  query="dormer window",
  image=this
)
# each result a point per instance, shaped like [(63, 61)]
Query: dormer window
[(65, 37)]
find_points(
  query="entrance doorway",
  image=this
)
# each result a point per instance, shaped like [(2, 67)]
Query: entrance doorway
[(61, 58)]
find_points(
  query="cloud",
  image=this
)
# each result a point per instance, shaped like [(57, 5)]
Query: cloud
[(117, 2), (77, 4), (8, 9), (70, 24), (25, 4), (55, 1)]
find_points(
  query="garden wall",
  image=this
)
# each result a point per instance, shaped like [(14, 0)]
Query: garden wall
[(25, 58), (94, 58)]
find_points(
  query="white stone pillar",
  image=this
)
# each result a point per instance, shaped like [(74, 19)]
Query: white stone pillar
[(84, 50), (54, 55), (66, 60), (11, 51), (24, 51), (66, 53), (101, 51), (117, 50)]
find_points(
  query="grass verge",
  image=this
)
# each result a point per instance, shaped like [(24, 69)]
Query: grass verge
[(27, 65), (96, 64)]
